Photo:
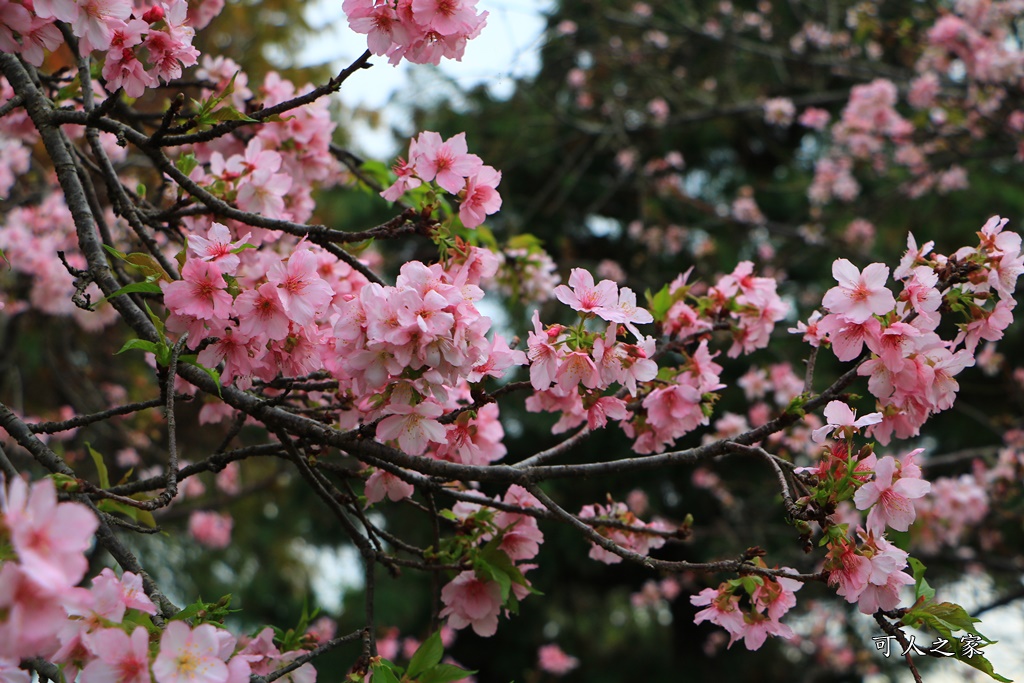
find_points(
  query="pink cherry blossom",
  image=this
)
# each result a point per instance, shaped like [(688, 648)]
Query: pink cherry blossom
[(93, 20), (260, 312), (841, 417), (587, 297), (379, 22), (481, 197), (448, 161), (405, 181), (50, 538), (122, 69), (217, 247), (383, 484), (628, 312), (413, 426), (890, 501), (10, 673), (470, 601), (848, 569), (859, 295), (211, 529), (263, 191), (304, 294), (200, 293), (41, 36), (189, 655), (119, 658), (555, 661), (722, 608)]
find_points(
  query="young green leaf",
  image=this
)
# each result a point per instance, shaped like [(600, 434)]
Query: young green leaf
[(382, 673), (921, 587), (140, 344), (427, 655), (101, 467), (444, 673)]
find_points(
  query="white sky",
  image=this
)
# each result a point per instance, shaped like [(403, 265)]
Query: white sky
[(506, 48)]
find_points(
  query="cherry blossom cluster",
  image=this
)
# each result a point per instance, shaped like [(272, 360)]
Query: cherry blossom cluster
[(527, 274), (635, 539), (421, 31), (117, 27), (655, 593), (969, 45), (748, 303), (18, 136), (449, 165), (870, 120), (679, 402), (977, 35), (100, 632), (475, 597), (407, 351), (273, 325), (31, 235), (871, 129), (275, 172), (911, 370), (866, 568), (952, 506), (765, 600), (571, 367)]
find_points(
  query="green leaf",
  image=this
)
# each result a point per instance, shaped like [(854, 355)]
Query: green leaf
[(659, 303), (427, 656), (189, 611), (158, 323), (955, 616), (101, 467), (445, 673), (214, 375), (497, 558), (382, 673), (484, 235), (117, 507), (144, 516), (751, 583), (142, 619), (149, 266), (525, 241), (491, 573), (140, 344), (377, 169), (230, 114), (978, 661), (186, 163), (69, 91), (921, 587), (114, 252), (135, 288)]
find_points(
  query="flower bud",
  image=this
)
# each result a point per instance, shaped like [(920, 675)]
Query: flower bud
[(153, 14)]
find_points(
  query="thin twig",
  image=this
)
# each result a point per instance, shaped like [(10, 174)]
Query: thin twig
[(309, 656), (83, 420)]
